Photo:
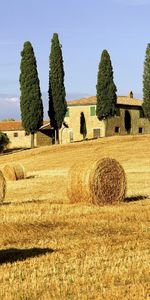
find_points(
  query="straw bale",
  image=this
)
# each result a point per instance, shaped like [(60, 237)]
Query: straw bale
[(9, 172), (19, 171), (2, 186), (97, 181)]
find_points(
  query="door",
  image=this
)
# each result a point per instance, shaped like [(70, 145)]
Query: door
[(96, 133), (71, 136)]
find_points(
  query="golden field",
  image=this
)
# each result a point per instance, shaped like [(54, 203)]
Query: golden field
[(50, 249)]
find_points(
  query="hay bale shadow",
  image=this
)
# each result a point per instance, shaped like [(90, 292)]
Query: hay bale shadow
[(5, 203), (12, 255), (24, 202), (31, 176), (135, 198)]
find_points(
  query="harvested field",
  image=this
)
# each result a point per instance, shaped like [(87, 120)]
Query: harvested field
[(50, 249)]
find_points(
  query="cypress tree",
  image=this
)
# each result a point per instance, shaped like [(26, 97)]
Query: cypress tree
[(30, 100), (83, 129), (106, 89), (57, 94), (146, 84)]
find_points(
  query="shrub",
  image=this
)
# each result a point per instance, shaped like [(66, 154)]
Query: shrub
[(4, 141)]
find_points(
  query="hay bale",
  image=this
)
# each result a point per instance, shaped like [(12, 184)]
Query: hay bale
[(97, 181), (19, 171), (9, 172), (2, 186), (14, 172)]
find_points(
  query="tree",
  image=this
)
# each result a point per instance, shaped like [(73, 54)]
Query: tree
[(83, 129), (9, 119), (57, 94), (4, 141), (30, 101), (106, 89), (146, 84)]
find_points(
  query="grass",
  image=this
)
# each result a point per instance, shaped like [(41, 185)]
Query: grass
[(50, 249)]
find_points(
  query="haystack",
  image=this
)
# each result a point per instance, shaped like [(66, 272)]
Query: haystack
[(9, 172), (2, 186), (14, 172), (19, 171), (97, 181)]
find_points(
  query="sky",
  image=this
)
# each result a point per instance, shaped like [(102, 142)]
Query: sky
[(85, 29)]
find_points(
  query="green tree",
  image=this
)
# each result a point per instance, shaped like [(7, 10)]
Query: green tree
[(57, 94), (4, 141), (83, 129), (9, 119), (106, 89), (30, 100), (146, 84)]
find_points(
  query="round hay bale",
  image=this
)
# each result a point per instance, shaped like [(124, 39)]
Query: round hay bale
[(9, 172), (2, 186), (97, 181), (19, 171)]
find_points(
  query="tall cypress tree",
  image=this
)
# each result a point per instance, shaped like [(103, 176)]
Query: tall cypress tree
[(146, 84), (30, 100), (57, 94), (83, 129), (106, 89)]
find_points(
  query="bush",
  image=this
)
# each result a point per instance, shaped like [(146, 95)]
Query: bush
[(4, 141)]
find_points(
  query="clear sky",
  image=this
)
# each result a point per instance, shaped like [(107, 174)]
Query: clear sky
[(85, 28)]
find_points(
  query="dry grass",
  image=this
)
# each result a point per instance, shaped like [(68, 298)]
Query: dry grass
[(50, 249)]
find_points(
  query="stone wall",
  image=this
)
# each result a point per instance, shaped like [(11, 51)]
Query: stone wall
[(19, 139), (139, 125), (93, 125), (43, 138)]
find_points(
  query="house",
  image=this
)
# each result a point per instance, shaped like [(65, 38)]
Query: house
[(129, 119), (19, 138)]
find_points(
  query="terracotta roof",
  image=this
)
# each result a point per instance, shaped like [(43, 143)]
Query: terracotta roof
[(83, 101), (129, 101), (12, 125), (124, 100)]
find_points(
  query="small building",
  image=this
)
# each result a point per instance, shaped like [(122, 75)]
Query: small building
[(19, 138), (129, 119)]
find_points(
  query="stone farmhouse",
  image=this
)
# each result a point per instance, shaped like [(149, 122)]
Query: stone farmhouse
[(20, 139), (129, 119)]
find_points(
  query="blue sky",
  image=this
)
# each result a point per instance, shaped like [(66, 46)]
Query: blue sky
[(85, 28)]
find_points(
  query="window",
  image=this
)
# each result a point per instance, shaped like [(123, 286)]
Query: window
[(96, 133), (117, 129), (92, 111), (15, 134), (67, 113), (141, 113), (141, 130)]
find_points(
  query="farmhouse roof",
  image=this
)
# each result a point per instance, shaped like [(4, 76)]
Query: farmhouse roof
[(12, 125), (122, 100)]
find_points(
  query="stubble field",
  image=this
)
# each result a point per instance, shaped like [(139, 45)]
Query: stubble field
[(50, 249)]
